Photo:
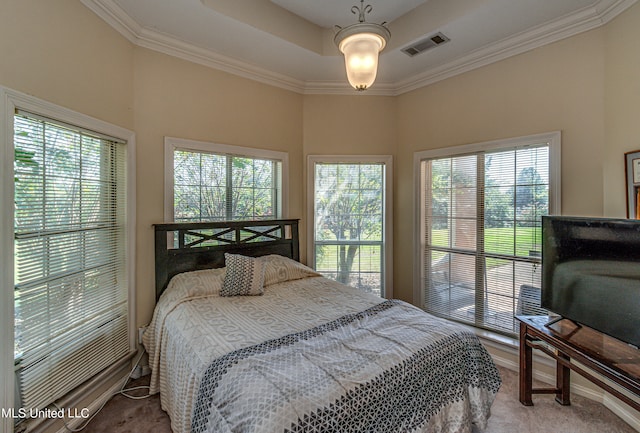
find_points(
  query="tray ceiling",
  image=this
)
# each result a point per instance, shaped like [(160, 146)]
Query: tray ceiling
[(289, 43)]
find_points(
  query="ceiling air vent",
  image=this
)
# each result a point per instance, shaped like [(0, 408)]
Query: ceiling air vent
[(425, 44)]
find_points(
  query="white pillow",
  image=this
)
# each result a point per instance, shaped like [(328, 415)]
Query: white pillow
[(244, 276), (280, 269)]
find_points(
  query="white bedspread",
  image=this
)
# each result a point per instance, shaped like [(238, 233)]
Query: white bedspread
[(193, 326)]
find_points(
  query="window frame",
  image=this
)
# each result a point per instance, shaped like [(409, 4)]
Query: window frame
[(10, 101), (387, 160), (553, 140), (171, 144)]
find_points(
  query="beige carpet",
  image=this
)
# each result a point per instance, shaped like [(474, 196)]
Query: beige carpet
[(583, 416), (122, 415)]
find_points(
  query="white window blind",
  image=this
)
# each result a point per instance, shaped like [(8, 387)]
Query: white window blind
[(71, 295), (482, 227), (350, 240), (210, 186)]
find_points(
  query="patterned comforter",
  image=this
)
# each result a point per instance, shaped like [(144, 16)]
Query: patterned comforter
[(312, 355)]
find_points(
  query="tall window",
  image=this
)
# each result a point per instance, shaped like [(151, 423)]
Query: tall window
[(481, 209), (71, 279), (212, 182), (352, 221)]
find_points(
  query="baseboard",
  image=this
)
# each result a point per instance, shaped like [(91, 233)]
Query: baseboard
[(93, 408), (621, 409)]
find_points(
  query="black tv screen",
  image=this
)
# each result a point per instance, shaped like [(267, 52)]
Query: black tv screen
[(591, 273)]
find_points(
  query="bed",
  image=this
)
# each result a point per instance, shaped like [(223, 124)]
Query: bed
[(292, 351)]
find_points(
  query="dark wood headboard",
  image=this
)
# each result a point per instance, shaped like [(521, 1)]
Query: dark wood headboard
[(183, 247)]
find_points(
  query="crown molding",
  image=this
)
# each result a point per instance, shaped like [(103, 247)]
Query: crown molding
[(116, 17), (173, 47), (343, 88), (561, 28), (613, 8)]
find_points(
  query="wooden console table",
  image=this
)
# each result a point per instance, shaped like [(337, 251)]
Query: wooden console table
[(567, 342)]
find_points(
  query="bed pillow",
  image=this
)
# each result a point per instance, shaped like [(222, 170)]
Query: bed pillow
[(244, 277), (279, 269), (195, 284)]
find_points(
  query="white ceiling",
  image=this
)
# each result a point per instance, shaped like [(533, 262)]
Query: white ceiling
[(289, 43), (327, 13)]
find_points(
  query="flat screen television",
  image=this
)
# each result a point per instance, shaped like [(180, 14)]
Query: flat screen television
[(591, 273)]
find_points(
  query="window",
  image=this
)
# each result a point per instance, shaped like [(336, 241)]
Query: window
[(351, 227), (72, 247), (480, 213), (214, 182)]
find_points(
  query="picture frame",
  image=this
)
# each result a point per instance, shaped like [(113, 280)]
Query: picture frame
[(632, 176)]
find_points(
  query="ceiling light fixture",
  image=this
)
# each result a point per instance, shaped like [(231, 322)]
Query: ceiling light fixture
[(360, 43)]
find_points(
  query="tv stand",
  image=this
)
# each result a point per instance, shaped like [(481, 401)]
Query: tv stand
[(569, 345)]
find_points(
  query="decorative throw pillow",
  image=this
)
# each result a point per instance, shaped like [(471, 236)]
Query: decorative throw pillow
[(244, 277)]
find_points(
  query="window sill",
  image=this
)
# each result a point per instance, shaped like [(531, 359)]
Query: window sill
[(496, 339)]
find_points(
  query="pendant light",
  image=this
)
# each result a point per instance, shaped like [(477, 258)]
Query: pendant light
[(361, 43)]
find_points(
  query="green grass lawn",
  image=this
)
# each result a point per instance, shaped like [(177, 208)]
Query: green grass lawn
[(367, 259), (505, 240)]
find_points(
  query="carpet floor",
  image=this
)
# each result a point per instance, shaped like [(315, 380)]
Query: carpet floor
[(123, 415)]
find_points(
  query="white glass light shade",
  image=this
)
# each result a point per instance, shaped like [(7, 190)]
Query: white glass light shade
[(361, 58), (361, 43)]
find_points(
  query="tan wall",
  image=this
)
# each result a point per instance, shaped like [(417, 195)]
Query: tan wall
[(63, 53), (622, 105), (556, 87), (181, 99), (349, 125)]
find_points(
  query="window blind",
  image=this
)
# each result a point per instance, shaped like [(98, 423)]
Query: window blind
[(71, 296), (482, 226), (217, 187), (349, 204)]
